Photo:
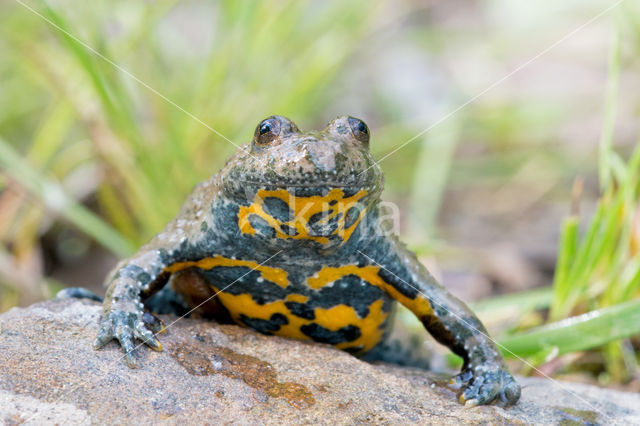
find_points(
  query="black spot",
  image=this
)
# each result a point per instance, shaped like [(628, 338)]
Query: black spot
[(313, 220), (332, 224), (301, 310), (350, 191), (333, 202), (278, 209), (261, 226), (320, 223), (353, 349), (402, 286), (351, 216), (324, 335), (350, 290), (311, 191), (265, 326)]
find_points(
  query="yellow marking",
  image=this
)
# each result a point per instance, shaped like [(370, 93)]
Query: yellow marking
[(276, 275), (420, 306), (342, 315), (299, 298), (333, 318), (303, 209)]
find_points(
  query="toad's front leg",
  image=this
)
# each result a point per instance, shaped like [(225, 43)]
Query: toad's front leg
[(484, 376), (146, 272), (122, 319)]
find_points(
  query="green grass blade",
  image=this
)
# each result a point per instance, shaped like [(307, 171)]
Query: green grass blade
[(578, 333), (562, 292), (630, 282), (54, 198), (568, 247)]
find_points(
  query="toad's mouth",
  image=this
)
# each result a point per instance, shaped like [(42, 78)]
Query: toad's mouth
[(307, 189), (295, 184)]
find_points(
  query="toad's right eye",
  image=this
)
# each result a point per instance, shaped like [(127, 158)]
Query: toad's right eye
[(359, 129), (267, 131)]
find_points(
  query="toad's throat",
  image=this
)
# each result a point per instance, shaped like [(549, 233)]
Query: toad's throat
[(320, 218)]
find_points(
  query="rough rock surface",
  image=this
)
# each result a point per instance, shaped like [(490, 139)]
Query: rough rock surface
[(209, 373)]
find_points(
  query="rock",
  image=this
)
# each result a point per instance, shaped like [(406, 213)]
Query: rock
[(211, 373)]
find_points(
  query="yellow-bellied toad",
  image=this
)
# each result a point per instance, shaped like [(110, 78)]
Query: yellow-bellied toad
[(287, 237)]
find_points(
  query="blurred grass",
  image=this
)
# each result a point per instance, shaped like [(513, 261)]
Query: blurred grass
[(597, 273), (600, 271), (58, 202), (593, 305)]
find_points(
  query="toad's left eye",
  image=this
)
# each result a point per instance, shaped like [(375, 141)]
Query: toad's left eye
[(359, 129)]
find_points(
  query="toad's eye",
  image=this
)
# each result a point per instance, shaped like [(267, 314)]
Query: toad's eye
[(267, 131), (359, 129)]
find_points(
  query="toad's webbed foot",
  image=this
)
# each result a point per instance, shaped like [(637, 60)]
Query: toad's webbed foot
[(483, 383), (126, 327)]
